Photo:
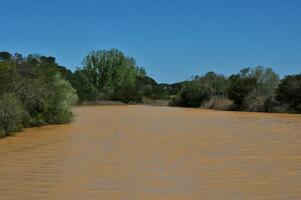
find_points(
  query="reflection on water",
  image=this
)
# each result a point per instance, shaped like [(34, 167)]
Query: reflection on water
[(143, 152)]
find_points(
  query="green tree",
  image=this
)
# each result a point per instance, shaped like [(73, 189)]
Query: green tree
[(84, 86), (214, 84), (252, 88), (289, 92), (240, 85), (110, 71), (267, 80), (4, 56)]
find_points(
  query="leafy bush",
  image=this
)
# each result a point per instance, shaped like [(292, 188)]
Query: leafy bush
[(59, 101), (127, 94), (254, 102), (11, 114), (194, 92), (46, 96), (272, 105), (191, 95), (39, 95)]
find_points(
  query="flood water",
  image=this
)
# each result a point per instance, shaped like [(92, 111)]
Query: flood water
[(144, 152)]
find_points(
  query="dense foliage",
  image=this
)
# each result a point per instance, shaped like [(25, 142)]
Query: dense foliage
[(12, 114), (289, 92), (252, 89), (32, 93), (108, 75), (200, 89)]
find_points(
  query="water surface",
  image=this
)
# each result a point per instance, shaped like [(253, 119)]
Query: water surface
[(144, 152)]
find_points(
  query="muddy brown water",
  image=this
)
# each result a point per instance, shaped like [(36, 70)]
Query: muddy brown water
[(144, 152)]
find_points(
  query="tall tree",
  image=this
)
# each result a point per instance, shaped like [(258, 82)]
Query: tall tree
[(111, 72)]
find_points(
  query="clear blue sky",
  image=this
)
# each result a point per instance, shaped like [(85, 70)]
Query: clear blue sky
[(172, 39)]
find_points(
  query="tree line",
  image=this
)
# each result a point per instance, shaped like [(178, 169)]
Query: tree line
[(35, 90), (111, 75), (256, 89)]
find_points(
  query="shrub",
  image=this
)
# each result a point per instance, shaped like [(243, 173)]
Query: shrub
[(272, 105), (127, 94), (254, 102), (191, 95), (11, 114), (175, 101), (60, 99), (218, 102), (200, 89), (33, 93)]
